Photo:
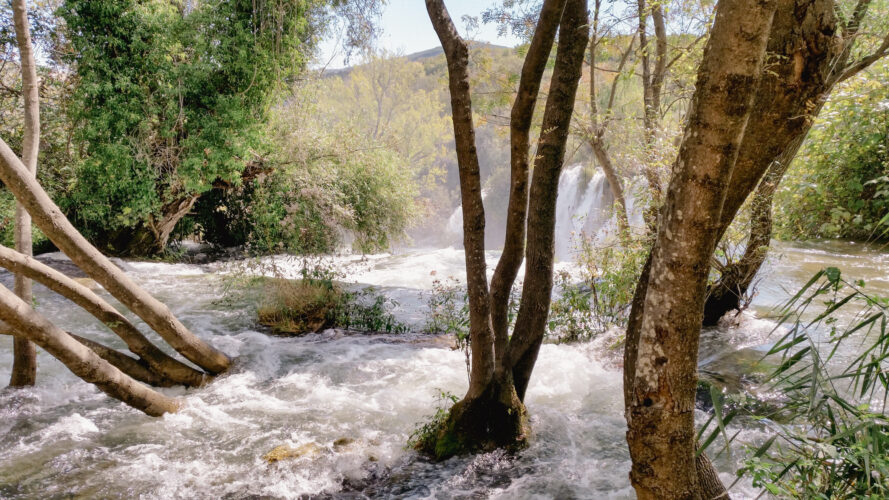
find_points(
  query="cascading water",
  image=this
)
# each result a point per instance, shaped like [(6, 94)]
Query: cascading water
[(349, 400), (584, 209)]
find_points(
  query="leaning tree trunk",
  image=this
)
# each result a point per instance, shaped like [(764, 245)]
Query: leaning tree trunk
[(59, 230), (661, 388), (80, 359), (165, 366), (24, 365), (492, 413), (812, 52), (736, 278)]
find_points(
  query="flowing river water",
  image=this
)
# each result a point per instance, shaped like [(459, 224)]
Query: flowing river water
[(65, 439)]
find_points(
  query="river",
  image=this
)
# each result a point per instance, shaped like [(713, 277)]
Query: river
[(65, 439)]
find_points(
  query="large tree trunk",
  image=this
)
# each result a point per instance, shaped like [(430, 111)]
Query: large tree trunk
[(81, 360), (812, 52), (59, 230), (736, 278), (165, 366), (660, 416), (809, 58), (24, 365), (492, 413)]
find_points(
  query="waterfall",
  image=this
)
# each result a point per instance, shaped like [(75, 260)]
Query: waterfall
[(583, 209)]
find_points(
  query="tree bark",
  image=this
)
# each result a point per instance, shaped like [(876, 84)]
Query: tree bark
[(59, 230), (24, 365), (661, 433), (81, 360), (520, 127), (807, 60), (164, 365), (811, 55), (804, 52), (135, 368), (736, 278), (537, 288), (480, 329)]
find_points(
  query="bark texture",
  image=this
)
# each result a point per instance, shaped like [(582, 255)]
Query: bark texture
[(24, 365), (810, 50), (736, 278), (59, 230), (661, 433)]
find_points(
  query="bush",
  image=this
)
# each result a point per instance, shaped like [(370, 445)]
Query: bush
[(317, 302), (603, 297), (838, 187)]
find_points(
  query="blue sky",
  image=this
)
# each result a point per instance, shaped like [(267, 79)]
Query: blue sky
[(406, 28)]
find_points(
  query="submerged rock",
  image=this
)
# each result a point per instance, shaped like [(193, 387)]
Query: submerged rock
[(285, 452), (342, 442)]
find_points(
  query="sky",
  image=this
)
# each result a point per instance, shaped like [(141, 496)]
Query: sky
[(406, 29)]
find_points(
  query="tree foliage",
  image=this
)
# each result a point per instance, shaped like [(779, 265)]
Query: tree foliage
[(172, 97), (839, 186)]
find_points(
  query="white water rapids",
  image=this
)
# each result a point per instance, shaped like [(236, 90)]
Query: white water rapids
[(65, 439)]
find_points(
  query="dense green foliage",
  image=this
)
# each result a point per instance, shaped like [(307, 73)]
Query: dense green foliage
[(839, 185), (327, 183), (172, 98)]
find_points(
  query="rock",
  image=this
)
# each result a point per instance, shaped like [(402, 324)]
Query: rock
[(342, 443), (285, 452), (200, 258)]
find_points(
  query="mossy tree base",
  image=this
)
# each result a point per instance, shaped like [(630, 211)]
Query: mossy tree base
[(495, 419)]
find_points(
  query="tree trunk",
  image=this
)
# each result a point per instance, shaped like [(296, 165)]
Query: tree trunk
[(480, 329), (59, 230), (492, 413), (597, 144), (152, 236), (520, 127), (537, 288), (660, 416), (812, 56), (614, 183), (736, 277), (81, 360), (135, 368), (164, 365), (808, 60), (24, 365), (805, 53)]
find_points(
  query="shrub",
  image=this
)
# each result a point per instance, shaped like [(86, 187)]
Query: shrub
[(317, 302), (602, 297)]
